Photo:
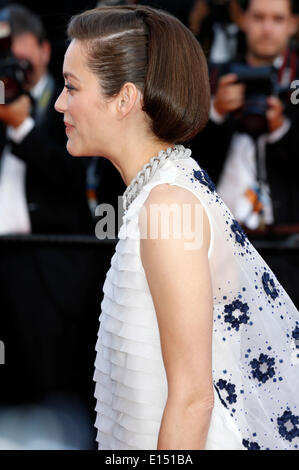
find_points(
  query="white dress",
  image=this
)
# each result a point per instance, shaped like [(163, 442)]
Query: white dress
[(255, 338)]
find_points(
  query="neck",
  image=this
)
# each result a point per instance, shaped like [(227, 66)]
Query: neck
[(130, 158)]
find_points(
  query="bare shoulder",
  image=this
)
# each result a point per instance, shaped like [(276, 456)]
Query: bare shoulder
[(176, 210), (167, 193)]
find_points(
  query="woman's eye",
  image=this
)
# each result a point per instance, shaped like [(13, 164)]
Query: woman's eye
[(69, 87)]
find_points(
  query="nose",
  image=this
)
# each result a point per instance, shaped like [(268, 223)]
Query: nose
[(61, 102), (268, 26)]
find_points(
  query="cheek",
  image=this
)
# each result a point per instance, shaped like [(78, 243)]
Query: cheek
[(81, 117), (39, 59), (282, 32), (74, 108), (88, 117), (34, 59)]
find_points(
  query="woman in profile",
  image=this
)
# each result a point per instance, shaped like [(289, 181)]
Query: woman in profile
[(197, 346)]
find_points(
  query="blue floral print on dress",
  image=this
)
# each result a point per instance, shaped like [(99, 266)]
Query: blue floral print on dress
[(204, 178), (258, 364), (239, 233), (269, 286), (230, 389), (287, 425), (295, 335), (233, 320), (250, 445)]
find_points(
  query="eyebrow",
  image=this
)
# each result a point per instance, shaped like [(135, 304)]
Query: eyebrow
[(69, 74)]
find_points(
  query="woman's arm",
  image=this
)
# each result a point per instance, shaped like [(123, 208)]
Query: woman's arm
[(179, 281)]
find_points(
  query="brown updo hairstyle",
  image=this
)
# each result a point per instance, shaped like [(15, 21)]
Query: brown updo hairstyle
[(156, 52)]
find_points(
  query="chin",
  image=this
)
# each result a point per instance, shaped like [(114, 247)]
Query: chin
[(76, 151), (72, 150)]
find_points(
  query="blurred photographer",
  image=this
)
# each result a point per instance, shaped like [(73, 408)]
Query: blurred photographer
[(42, 189), (255, 169)]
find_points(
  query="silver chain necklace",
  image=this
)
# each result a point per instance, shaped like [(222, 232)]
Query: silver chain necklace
[(179, 152)]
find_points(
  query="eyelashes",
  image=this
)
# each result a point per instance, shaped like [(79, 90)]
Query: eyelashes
[(69, 87)]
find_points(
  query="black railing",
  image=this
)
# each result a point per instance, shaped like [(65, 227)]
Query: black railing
[(278, 243)]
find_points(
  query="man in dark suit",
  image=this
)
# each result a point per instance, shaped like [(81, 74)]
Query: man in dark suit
[(268, 27), (54, 182)]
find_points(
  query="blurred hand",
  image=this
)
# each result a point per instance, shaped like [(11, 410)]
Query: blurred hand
[(275, 113), (229, 95), (15, 113)]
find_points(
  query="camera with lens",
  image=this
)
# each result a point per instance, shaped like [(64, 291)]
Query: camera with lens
[(14, 73), (260, 83)]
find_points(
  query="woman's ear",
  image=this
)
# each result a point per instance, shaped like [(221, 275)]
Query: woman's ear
[(127, 98)]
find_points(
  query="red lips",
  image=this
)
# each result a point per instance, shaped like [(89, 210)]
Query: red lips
[(68, 126)]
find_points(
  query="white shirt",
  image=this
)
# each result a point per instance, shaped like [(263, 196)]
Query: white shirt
[(224, 46), (14, 214)]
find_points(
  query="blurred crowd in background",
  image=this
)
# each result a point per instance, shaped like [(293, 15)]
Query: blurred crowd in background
[(50, 295)]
